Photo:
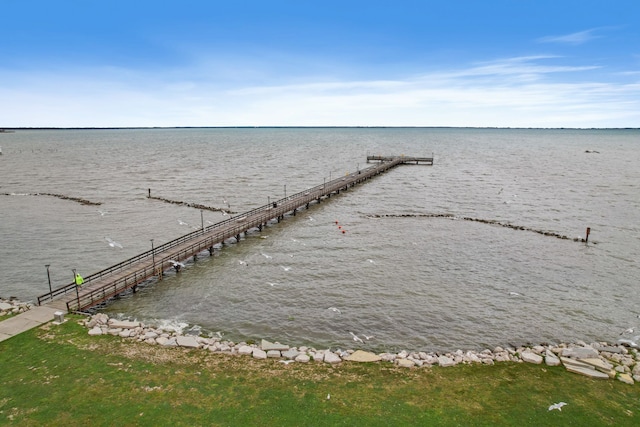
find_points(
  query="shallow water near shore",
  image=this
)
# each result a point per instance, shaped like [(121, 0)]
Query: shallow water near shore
[(408, 280)]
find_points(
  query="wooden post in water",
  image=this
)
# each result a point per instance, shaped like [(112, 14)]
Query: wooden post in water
[(586, 240)]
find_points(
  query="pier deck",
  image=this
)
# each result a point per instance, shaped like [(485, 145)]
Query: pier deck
[(108, 283)]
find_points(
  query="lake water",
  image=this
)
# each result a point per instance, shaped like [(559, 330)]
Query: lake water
[(399, 273)]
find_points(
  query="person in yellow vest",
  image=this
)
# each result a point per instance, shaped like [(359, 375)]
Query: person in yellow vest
[(79, 279)]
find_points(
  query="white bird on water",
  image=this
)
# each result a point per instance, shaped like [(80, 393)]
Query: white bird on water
[(176, 264), (356, 338), (181, 222), (628, 331), (285, 268), (265, 255), (113, 243), (102, 213), (335, 310), (557, 406)]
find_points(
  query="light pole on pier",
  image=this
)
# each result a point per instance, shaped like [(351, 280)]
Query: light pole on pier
[(49, 277), (76, 286), (201, 220), (153, 257), (285, 191)]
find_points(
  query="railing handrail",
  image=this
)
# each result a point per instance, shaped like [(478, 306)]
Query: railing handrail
[(280, 207)]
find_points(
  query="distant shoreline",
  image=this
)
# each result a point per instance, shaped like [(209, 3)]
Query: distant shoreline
[(13, 129)]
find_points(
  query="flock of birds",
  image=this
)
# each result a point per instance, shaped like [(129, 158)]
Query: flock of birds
[(177, 265)]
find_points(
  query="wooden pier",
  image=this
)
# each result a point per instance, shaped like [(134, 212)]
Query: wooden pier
[(405, 160), (112, 281)]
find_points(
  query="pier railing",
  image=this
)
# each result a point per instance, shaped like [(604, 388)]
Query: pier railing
[(153, 262)]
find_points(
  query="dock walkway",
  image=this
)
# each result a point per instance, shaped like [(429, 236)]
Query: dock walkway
[(108, 283)]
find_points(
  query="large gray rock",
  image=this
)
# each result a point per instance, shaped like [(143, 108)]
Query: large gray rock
[(445, 361), (405, 363), (123, 324), (274, 354), (245, 349), (259, 354), (187, 341), (95, 331), (363, 356), (626, 378), (531, 357), (551, 359), (150, 334), (599, 364), (566, 361), (171, 342), (266, 346), (290, 354), (580, 353), (388, 357), (162, 340), (588, 372), (611, 349), (332, 358), (303, 358)]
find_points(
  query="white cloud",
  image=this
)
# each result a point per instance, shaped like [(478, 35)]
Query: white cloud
[(574, 38), (514, 92)]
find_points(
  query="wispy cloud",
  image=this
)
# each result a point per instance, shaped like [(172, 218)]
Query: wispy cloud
[(518, 92), (522, 67), (574, 38)]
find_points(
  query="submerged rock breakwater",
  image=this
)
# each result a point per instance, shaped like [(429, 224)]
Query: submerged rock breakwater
[(484, 221), (59, 196), (191, 205), (596, 360)]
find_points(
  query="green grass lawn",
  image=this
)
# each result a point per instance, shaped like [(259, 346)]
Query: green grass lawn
[(58, 375)]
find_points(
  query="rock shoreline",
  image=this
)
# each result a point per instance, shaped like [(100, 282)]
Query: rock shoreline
[(13, 306), (596, 360)]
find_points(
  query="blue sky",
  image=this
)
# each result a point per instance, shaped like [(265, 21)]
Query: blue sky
[(519, 63)]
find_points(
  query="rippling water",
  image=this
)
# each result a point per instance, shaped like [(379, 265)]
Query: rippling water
[(412, 282)]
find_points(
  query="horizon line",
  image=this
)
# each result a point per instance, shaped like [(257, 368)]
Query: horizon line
[(4, 129)]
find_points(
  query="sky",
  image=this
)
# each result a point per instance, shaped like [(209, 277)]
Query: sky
[(475, 63)]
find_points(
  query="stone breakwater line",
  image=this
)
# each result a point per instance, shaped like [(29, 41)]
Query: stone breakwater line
[(59, 196), (484, 221), (597, 360), (191, 205)]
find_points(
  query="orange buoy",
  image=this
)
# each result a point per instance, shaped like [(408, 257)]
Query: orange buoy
[(336, 221), (343, 231), (339, 227)]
